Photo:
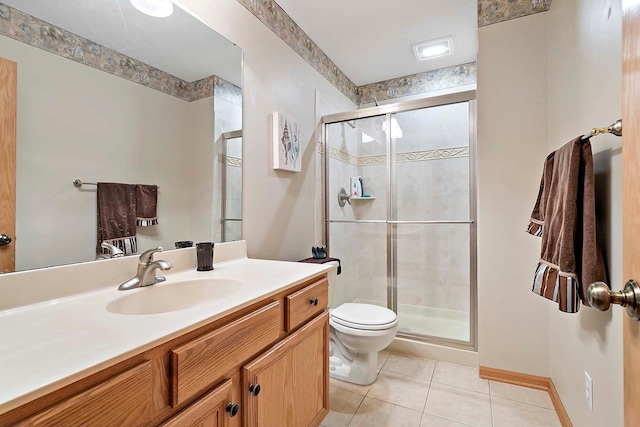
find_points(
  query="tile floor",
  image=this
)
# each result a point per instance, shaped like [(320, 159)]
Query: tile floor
[(414, 392)]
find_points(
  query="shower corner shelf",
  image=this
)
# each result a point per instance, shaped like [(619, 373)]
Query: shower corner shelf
[(363, 198)]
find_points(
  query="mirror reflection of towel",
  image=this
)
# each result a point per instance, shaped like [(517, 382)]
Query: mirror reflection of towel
[(146, 205), (117, 216)]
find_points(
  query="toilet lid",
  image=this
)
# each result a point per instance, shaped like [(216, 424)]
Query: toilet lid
[(364, 316)]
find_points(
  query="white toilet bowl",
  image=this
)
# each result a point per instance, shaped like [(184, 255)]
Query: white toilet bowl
[(358, 333)]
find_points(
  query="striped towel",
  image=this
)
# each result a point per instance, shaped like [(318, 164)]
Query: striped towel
[(565, 217)]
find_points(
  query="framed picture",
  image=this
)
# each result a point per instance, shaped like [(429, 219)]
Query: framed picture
[(285, 136)]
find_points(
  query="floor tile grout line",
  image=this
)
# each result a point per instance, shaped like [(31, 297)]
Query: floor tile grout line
[(354, 414), (525, 403), (424, 408), (448, 419), (463, 388), (383, 401), (405, 375), (491, 408), (552, 408)]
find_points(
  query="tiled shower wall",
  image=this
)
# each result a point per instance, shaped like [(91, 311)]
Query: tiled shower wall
[(432, 166), (233, 200), (344, 239)]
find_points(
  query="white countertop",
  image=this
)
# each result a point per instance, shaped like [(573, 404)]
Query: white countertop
[(47, 345)]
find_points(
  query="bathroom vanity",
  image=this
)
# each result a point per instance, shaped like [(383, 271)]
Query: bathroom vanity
[(253, 356)]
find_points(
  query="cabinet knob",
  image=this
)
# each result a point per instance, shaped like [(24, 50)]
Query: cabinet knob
[(254, 389), (313, 301), (232, 409)]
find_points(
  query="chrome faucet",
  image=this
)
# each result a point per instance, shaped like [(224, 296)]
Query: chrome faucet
[(114, 251), (146, 274)]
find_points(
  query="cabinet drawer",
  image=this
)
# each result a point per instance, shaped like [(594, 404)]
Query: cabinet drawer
[(209, 411), (123, 400), (306, 303), (200, 363)]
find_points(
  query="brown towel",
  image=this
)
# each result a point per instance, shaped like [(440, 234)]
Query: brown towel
[(565, 217), (117, 216), (146, 204)]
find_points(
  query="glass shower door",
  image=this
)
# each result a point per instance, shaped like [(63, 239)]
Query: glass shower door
[(231, 200), (433, 228), (357, 226), (408, 240)]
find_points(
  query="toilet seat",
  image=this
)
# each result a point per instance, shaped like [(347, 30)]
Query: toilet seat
[(367, 317)]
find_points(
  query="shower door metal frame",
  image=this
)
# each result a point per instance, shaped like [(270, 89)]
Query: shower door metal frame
[(392, 221), (223, 203)]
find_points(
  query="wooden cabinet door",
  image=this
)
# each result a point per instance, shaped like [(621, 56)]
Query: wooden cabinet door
[(209, 411), (293, 377)]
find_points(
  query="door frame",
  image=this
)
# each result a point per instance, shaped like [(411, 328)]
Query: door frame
[(8, 124), (630, 201)]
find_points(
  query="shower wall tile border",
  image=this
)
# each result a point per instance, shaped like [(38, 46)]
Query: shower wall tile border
[(412, 156), (442, 153), (372, 160), (342, 156), (28, 29), (231, 161)]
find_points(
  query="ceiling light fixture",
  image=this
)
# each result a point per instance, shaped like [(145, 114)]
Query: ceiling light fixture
[(155, 8), (433, 48)]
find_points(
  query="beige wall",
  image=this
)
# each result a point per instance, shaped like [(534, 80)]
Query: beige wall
[(78, 122), (542, 80), (278, 207), (512, 144), (585, 72)]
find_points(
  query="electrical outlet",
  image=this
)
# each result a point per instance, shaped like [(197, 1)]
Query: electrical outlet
[(588, 389)]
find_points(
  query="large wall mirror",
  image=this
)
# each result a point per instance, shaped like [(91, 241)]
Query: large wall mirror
[(109, 94)]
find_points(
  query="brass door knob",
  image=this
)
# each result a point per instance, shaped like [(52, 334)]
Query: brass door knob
[(601, 298)]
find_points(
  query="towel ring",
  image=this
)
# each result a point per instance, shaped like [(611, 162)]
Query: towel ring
[(601, 297)]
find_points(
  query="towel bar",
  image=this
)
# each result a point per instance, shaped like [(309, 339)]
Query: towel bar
[(614, 129), (79, 183), (600, 297)]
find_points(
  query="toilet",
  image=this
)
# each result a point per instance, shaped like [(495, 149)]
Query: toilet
[(357, 333)]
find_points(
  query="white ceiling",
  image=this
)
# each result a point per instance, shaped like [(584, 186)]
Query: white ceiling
[(180, 44), (370, 40)]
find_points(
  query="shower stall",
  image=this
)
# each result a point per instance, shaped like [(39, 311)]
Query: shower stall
[(406, 231)]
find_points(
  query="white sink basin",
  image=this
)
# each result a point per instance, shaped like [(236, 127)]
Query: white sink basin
[(173, 296)]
